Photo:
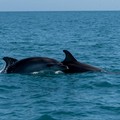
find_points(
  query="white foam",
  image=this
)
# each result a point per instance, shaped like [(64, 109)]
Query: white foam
[(47, 72), (58, 72), (34, 73), (1, 71)]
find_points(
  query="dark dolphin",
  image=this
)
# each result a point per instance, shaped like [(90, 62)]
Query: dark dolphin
[(75, 66), (32, 65)]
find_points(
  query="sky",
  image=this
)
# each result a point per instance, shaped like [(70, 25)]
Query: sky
[(58, 5)]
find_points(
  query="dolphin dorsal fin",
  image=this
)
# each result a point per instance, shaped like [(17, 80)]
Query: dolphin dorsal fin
[(9, 60), (69, 57)]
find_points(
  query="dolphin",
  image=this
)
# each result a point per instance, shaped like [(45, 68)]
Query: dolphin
[(9, 61), (32, 65), (75, 66)]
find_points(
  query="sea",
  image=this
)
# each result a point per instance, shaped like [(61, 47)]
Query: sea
[(92, 37)]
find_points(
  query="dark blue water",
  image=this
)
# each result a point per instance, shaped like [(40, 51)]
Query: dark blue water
[(92, 37)]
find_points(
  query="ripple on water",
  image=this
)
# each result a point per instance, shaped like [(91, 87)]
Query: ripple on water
[(46, 117)]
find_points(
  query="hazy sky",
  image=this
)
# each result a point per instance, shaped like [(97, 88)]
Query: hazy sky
[(58, 5)]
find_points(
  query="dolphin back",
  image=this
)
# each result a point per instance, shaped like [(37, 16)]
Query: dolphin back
[(76, 66)]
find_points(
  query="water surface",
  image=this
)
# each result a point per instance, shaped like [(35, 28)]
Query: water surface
[(92, 37)]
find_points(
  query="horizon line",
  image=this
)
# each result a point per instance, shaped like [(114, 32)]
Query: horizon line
[(60, 11)]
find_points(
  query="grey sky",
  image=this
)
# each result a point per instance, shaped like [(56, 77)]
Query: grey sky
[(58, 5)]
